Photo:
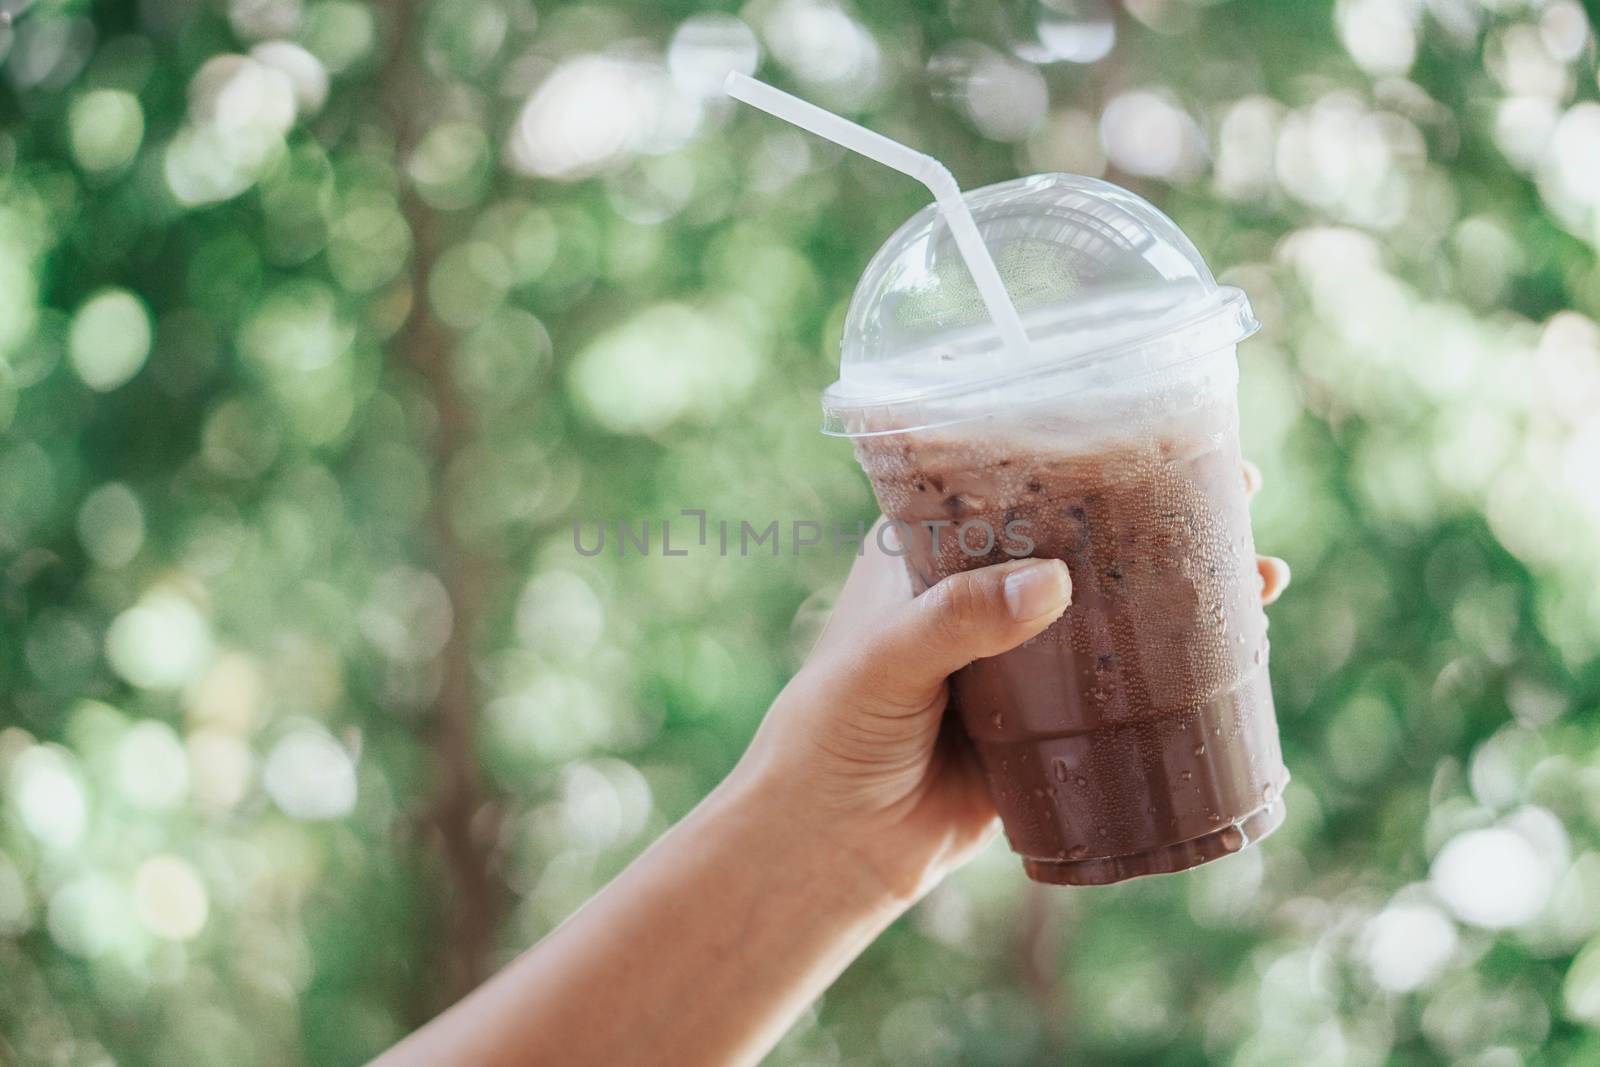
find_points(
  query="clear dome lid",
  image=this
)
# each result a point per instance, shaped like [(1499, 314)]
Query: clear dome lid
[(1106, 285)]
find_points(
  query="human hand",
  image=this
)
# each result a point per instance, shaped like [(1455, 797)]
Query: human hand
[(857, 794), (858, 748)]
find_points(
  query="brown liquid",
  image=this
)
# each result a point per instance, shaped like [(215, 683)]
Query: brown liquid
[(1136, 735)]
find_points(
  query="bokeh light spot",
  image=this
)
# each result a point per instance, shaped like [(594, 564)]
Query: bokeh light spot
[(170, 899), (1380, 35), (106, 127), (1004, 99), (1073, 31), (1580, 992), (297, 328), (111, 525), (451, 164), (49, 795), (160, 643), (1146, 133), (1491, 878), (220, 768), (408, 615), (668, 362), (310, 776), (254, 19), (706, 47), (822, 45), (88, 916), (370, 241), (16, 907), (558, 614), (918, 1033), (110, 339), (468, 283), (554, 717), (603, 804), (594, 111), (152, 769), (340, 33), (1408, 945), (305, 72)]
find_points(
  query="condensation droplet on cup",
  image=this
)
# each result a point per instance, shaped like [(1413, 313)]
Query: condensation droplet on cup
[(1231, 839), (1062, 771), (1077, 852), (1186, 776), (1081, 781), (1200, 749)]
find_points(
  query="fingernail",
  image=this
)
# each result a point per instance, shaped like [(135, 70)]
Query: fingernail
[(1039, 588)]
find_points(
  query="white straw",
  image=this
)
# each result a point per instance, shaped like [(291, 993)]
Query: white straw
[(927, 170)]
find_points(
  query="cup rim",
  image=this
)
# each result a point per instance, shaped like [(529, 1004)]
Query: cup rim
[(1224, 319)]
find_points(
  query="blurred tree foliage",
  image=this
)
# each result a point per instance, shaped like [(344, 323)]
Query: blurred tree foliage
[(322, 321)]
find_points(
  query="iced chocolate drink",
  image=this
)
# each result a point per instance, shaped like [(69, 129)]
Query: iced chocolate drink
[(1136, 735)]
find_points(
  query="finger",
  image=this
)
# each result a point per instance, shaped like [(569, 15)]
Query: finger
[(967, 616), (1274, 577), (878, 584), (1252, 479)]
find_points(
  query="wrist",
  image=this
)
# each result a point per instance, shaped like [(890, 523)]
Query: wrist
[(875, 869)]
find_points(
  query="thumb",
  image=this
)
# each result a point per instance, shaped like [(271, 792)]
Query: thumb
[(966, 616)]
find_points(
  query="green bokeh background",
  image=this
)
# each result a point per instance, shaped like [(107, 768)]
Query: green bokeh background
[(321, 322)]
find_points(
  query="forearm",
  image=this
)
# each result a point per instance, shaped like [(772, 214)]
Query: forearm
[(702, 952)]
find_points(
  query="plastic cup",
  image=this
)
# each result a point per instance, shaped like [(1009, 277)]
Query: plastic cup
[(1046, 368), (1137, 734)]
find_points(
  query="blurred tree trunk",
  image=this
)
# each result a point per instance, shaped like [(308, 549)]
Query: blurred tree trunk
[(458, 820)]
